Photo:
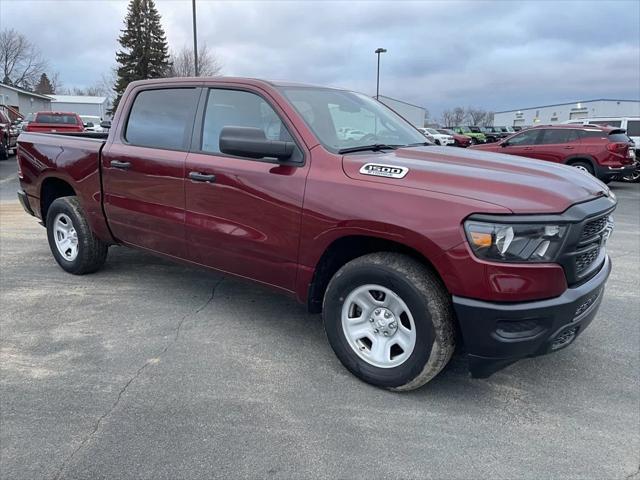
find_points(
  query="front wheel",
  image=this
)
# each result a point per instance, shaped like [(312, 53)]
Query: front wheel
[(389, 320), (4, 150), (74, 246)]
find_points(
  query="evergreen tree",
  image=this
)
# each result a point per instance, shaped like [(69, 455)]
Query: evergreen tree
[(44, 85), (145, 52)]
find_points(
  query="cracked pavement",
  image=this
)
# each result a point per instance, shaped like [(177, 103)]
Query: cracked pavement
[(153, 370)]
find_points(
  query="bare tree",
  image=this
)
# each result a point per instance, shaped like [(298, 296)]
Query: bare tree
[(446, 118), (488, 119), (459, 116), (477, 116), (21, 62), (183, 64)]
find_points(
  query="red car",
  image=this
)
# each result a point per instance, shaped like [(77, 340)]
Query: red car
[(604, 152), (55, 122), (461, 140), (407, 249)]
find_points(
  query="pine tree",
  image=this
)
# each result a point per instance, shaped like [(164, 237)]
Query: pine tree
[(44, 85), (145, 52)]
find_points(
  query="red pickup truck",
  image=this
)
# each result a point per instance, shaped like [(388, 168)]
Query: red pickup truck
[(407, 249)]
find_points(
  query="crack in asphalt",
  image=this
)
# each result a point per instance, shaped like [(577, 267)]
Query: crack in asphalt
[(634, 475), (134, 377)]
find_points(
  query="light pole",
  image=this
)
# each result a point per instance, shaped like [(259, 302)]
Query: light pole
[(378, 52), (195, 38)]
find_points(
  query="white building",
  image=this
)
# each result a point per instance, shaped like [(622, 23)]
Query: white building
[(412, 113), (561, 112), (80, 104), (22, 102)]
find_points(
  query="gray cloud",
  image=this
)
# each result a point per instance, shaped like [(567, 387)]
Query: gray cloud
[(497, 54)]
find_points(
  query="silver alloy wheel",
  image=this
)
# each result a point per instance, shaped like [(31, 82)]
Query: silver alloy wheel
[(378, 326), (582, 168), (65, 237)]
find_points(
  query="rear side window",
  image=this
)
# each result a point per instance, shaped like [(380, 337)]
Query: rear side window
[(633, 128), (610, 123), (61, 119), (162, 118), (236, 108), (552, 136), (619, 137)]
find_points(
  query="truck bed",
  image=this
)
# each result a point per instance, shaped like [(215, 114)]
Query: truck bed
[(72, 158)]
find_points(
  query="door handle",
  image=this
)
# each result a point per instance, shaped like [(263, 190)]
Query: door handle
[(202, 177), (528, 148), (120, 165), (568, 148)]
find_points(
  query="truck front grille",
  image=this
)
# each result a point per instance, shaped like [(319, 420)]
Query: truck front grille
[(593, 228), (584, 260)]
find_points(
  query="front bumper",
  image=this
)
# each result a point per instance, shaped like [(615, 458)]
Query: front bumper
[(498, 334)]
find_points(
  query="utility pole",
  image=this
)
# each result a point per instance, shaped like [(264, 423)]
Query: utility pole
[(378, 52), (195, 38)]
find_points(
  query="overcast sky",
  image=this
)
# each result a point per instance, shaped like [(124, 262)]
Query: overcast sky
[(496, 54)]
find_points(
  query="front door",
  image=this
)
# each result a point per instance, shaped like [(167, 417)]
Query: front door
[(243, 215), (522, 144), (143, 174)]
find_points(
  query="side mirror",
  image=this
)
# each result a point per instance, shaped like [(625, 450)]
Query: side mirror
[(251, 142), (105, 124), (504, 144)]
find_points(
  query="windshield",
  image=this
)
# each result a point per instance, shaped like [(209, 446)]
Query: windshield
[(475, 129), (433, 131), (342, 119), (464, 129)]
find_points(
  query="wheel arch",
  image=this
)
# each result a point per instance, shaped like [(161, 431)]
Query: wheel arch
[(348, 247), (583, 158), (51, 189)]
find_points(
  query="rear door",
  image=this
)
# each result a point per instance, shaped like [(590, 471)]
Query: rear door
[(143, 170), (243, 216), (556, 144)]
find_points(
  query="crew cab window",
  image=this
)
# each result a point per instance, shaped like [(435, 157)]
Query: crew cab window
[(162, 118), (528, 137), (551, 136), (236, 108)]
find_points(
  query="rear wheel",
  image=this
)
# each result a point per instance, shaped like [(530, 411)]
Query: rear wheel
[(74, 246), (632, 177), (583, 167), (389, 320)]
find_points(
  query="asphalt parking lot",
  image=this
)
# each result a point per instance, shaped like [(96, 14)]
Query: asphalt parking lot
[(152, 370)]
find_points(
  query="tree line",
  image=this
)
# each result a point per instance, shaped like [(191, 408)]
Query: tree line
[(466, 116)]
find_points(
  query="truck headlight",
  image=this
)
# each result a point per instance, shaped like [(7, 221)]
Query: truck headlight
[(517, 242)]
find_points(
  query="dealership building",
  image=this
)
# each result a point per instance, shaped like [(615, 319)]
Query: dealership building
[(561, 112)]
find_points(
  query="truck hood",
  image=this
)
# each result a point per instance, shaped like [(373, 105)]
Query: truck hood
[(522, 185)]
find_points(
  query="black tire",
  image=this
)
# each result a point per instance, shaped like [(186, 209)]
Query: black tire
[(474, 141), (426, 298), (4, 150), (585, 166), (92, 252), (632, 177), (437, 142)]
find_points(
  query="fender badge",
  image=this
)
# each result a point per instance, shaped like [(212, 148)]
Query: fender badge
[(381, 170)]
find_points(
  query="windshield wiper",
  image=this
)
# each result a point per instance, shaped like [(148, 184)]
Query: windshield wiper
[(376, 147), (419, 144)]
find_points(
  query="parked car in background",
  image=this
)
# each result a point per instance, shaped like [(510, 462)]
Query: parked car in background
[(406, 249), (630, 124), (604, 152), (458, 140), (517, 128), (493, 134), (476, 135), (508, 130), (91, 123), (8, 136), (55, 122), (438, 137), (429, 137)]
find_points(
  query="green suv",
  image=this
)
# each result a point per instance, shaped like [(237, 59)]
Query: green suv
[(474, 133)]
